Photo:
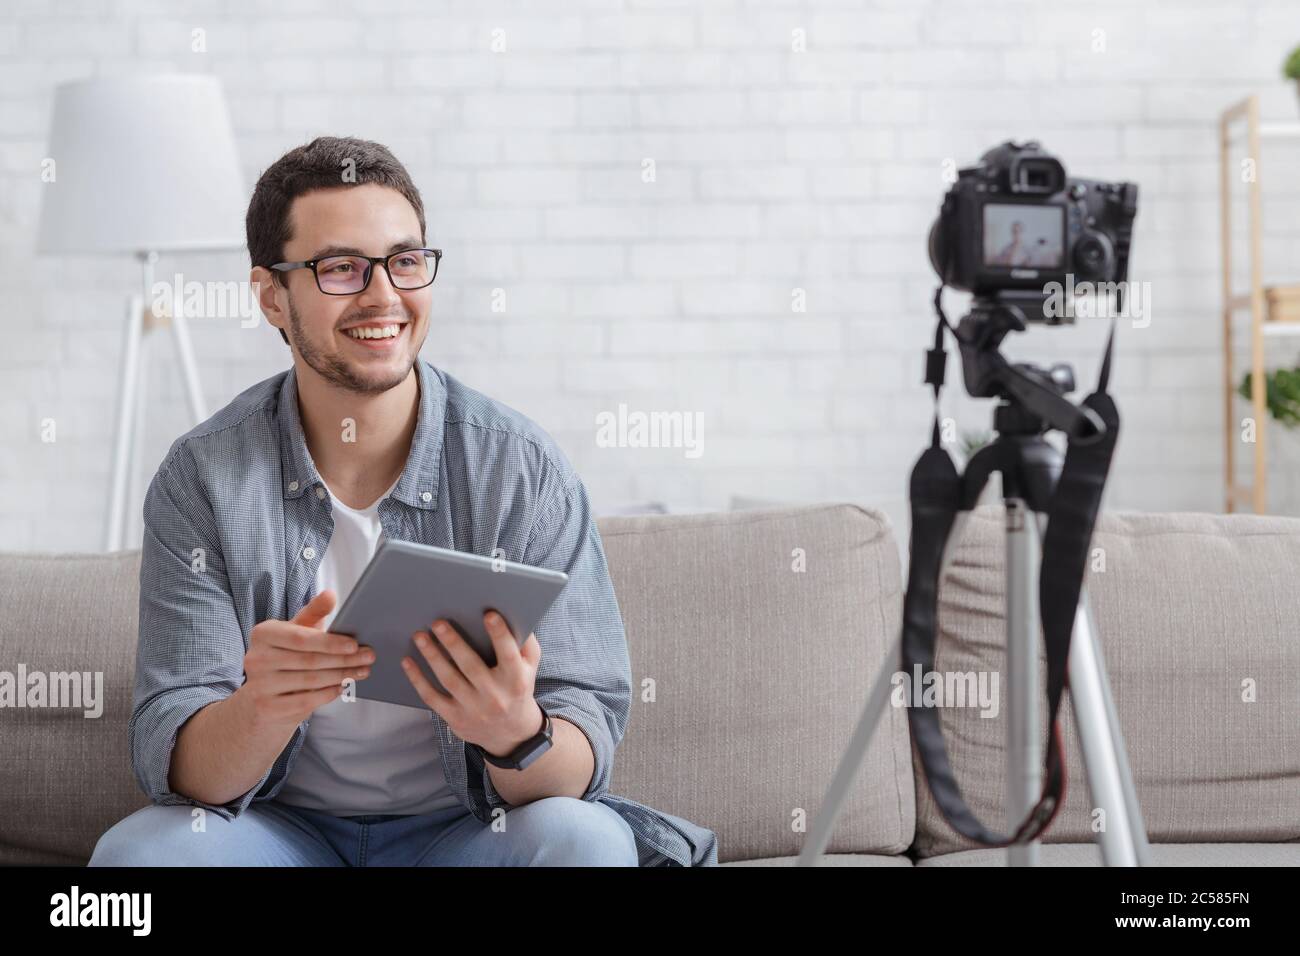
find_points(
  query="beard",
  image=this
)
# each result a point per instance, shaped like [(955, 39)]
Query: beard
[(338, 371)]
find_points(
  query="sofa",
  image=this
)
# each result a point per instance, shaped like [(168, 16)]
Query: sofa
[(754, 637)]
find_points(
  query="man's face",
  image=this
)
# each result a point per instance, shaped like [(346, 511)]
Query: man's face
[(369, 220)]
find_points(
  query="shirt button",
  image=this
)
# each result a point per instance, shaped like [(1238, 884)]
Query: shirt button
[(293, 486), (309, 553), (320, 493), (426, 496)]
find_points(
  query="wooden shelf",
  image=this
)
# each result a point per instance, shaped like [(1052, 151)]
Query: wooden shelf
[(1239, 122), (1280, 130), (1274, 130)]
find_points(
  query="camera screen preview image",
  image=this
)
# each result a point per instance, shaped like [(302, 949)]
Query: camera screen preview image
[(1023, 235)]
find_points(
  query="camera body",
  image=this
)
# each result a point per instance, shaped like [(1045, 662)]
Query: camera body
[(1015, 224)]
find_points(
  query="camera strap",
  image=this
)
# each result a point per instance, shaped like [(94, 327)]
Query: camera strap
[(936, 497)]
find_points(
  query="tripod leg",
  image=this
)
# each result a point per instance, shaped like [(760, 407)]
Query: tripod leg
[(877, 701), (1110, 780), (1024, 772), (189, 368), (127, 403), (1123, 841), (129, 527), (1097, 742)]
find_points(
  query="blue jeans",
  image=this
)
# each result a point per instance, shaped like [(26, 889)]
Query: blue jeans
[(553, 831)]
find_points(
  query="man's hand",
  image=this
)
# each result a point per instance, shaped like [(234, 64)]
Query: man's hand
[(489, 706), (293, 667)]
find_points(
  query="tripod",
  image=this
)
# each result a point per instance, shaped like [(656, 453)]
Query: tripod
[(1029, 468)]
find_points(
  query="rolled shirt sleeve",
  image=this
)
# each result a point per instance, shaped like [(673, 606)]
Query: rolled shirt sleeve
[(191, 646), (584, 675)]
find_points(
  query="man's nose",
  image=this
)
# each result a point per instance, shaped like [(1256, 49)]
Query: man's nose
[(380, 292)]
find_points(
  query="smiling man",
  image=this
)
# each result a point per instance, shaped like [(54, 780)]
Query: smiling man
[(260, 521)]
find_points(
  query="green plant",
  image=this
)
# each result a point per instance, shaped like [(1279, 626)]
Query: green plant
[(1281, 394), (1291, 68), (971, 442)]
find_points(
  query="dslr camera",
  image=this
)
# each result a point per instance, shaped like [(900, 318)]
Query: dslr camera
[(1015, 224)]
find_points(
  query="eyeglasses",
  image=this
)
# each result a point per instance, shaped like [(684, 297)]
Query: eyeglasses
[(348, 275)]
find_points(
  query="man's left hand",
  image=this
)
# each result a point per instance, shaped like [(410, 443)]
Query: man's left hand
[(489, 706)]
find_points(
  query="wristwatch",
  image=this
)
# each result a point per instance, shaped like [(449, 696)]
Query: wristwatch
[(526, 752)]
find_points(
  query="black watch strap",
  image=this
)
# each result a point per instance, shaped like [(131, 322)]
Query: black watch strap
[(526, 752)]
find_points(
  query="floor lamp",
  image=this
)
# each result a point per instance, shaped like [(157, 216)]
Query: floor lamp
[(138, 166)]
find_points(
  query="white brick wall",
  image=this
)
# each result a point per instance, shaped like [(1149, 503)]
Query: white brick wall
[(775, 170)]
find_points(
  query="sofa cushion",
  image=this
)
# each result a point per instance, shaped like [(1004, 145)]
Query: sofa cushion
[(67, 777), (1195, 611), (748, 676)]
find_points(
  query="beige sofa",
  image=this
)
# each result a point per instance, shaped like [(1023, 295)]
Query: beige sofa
[(748, 675)]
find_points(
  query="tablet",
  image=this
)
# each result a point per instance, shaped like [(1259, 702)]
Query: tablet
[(407, 586)]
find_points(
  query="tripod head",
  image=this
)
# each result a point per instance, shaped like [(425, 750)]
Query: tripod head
[(1033, 397), (1032, 402)]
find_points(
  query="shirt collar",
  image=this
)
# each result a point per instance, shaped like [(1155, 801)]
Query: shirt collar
[(418, 484)]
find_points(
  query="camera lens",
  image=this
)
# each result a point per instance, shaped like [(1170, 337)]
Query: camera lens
[(936, 261), (1092, 255)]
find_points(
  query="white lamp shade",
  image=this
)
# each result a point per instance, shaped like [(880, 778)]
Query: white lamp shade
[(141, 164)]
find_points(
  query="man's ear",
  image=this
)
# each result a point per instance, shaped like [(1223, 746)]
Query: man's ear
[(263, 280)]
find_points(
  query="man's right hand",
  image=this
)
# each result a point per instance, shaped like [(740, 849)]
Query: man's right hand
[(293, 667)]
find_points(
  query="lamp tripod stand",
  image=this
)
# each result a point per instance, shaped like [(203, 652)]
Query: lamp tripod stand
[(142, 321)]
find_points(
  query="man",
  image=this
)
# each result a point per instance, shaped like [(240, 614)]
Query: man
[(259, 522), (1013, 253)]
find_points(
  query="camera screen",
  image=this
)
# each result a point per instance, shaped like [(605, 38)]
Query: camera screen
[(1023, 235)]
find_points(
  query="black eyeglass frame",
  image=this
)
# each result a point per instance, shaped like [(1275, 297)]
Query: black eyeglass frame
[(371, 261)]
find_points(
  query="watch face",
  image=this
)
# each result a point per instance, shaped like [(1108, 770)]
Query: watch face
[(542, 745), (519, 758)]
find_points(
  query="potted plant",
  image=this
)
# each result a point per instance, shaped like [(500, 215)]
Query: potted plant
[(973, 441), (1281, 394), (968, 444), (1291, 68)]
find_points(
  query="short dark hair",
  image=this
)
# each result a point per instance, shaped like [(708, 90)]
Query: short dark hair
[(327, 162)]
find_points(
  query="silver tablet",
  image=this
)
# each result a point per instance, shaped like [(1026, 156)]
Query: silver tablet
[(407, 586)]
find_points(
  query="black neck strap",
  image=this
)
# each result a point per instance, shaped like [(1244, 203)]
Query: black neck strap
[(936, 498)]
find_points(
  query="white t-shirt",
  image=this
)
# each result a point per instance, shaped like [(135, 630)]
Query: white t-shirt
[(364, 756)]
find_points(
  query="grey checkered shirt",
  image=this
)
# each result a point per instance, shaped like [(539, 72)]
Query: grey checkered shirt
[(241, 491)]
